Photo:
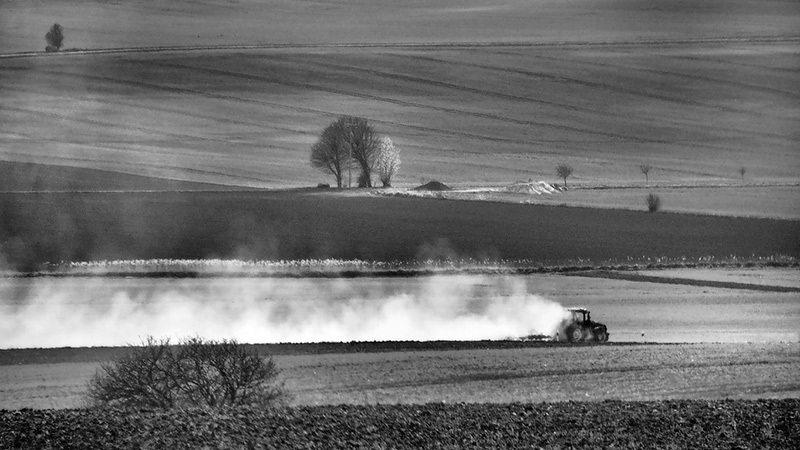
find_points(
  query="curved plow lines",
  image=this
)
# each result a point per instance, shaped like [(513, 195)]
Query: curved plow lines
[(418, 105)]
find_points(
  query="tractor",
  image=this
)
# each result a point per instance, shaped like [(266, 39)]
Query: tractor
[(578, 326)]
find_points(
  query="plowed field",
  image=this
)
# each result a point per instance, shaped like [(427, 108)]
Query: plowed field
[(671, 424)]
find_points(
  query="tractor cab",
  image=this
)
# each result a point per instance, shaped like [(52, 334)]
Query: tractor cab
[(580, 315)]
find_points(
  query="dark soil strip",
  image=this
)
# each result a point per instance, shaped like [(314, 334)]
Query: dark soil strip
[(685, 281), (696, 424), (49, 228)]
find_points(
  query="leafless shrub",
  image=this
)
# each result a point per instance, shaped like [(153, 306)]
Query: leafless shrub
[(145, 377), (225, 373), (195, 373), (653, 202)]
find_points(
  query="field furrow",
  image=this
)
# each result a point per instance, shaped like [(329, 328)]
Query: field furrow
[(417, 105)]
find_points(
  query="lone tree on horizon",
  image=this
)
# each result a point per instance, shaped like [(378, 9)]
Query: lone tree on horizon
[(564, 171), (54, 38), (346, 143), (645, 168)]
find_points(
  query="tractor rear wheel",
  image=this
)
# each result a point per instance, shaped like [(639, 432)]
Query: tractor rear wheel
[(575, 334)]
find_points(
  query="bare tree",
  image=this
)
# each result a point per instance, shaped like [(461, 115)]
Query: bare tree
[(331, 154), (196, 372), (55, 38), (564, 171), (645, 168), (387, 162), (225, 373), (742, 171), (362, 140)]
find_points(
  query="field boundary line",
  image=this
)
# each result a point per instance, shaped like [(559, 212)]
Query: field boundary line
[(417, 45)]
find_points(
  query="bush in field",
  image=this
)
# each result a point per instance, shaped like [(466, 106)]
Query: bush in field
[(55, 38), (194, 373), (564, 171), (653, 202), (346, 143), (388, 161)]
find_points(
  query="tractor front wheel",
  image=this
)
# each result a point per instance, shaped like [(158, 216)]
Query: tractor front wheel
[(601, 336)]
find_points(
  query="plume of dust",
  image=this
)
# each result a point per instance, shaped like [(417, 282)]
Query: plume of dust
[(58, 313)]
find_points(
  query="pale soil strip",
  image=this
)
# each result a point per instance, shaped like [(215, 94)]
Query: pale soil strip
[(609, 87), (287, 107), (688, 76), (458, 87), (69, 117), (789, 277), (141, 164), (178, 111), (638, 277), (545, 373), (606, 113)]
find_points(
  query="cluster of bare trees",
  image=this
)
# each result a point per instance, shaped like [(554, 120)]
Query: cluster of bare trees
[(352, 143)]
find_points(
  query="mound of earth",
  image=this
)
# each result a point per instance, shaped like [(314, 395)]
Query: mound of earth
[(533, 187), (433, 186)]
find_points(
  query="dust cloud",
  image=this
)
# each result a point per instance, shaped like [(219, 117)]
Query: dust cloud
[(117, 311)]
